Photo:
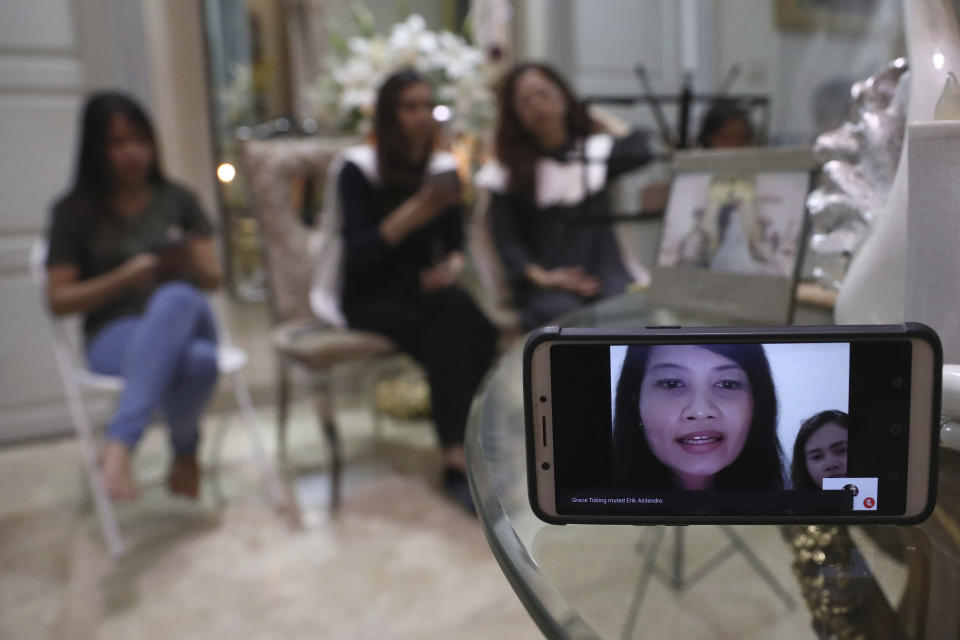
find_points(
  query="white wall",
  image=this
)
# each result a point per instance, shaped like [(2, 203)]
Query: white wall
[(52, 53), (48, 59), (598, 49), (809, 378), (790, 65), (180, 105)]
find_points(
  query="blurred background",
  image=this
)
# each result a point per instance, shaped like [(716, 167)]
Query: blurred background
[(213, 72)]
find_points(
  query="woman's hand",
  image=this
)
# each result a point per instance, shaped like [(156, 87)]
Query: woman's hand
[(203, 262), (441, 192), (141, 271), (435, 196), (432, 199), (572, 279), (175, 260), (444, 275), (67, 293), (194, 259)]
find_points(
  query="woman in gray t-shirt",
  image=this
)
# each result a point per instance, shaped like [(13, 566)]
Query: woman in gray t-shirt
[(131, 251)]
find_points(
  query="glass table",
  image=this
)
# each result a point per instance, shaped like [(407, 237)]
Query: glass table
[(627, 582)]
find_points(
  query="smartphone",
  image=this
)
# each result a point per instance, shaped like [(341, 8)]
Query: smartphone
[(448, 180), (671, 425)]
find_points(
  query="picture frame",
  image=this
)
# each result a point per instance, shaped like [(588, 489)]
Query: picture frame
[(850, 16), (733, 233)]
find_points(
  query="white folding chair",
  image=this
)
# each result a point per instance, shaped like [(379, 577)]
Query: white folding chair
[(76, 378)]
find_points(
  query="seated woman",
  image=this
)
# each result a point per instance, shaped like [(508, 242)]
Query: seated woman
[(697, 417), (726, 125), (402, 244), (820, 450), (539, 184), (131, 251)]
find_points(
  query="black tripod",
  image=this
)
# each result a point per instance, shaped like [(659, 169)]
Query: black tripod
[(672, 140), (685, 99), (679, 581)]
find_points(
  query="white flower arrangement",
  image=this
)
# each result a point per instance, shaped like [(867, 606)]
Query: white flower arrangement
[(236, 98), (345, 93)]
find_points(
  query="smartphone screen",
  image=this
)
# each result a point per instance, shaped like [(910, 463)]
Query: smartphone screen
[(731, 429)]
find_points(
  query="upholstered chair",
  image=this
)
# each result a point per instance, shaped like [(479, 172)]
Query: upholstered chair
[(290, 251)]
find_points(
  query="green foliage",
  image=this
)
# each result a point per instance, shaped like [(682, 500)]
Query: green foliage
[(363, 20), (468, 27), (338, 43)]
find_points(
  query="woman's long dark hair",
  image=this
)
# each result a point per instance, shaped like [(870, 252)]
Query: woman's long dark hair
[(721, 112), (516, 148), (799, 475), (393, 148), (759, 465), (93, 175)]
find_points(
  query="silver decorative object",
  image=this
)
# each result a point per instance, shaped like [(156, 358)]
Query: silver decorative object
[(859, 161)]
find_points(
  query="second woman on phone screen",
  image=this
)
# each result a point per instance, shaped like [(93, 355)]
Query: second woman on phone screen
[(402, 244)]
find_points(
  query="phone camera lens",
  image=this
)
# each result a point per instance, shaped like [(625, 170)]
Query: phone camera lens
[(895, 430), (545, 466), (543, 398)]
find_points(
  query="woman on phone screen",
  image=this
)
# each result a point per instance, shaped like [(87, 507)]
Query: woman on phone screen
[(697, 417), (820, 450)]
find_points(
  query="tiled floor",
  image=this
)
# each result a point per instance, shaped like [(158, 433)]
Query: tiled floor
[(398, 561)]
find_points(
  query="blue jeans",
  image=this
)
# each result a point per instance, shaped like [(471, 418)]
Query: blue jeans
[(167, 358)]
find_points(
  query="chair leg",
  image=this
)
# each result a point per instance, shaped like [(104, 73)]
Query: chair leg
[(249, 417), (108, 520), (88, 450), (325, 414), (371, 393), (216, 455), (283, 409), (86, 497)]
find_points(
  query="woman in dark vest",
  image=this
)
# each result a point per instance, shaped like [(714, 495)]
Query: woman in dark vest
[(402, 248)]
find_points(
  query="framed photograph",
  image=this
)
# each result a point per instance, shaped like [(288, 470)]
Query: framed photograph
[(848, 16), (733, 232)]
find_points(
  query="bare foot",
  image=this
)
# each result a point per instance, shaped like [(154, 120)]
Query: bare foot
[(184, 478), (117, 474), (455, 456)]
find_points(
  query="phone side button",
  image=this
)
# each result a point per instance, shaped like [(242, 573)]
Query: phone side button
[(663, 326)]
